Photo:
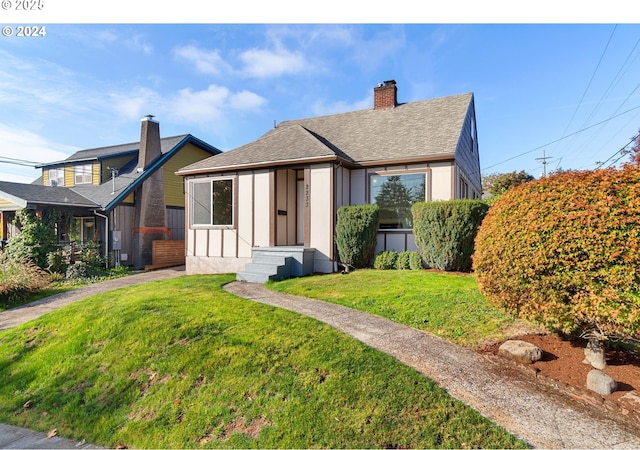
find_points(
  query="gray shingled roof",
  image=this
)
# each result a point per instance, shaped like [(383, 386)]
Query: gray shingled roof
[(166, 144), (34, 194), (413, 130)]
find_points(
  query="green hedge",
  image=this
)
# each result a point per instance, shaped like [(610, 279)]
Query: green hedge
[(390, 260), (356, 234), (445, 232)]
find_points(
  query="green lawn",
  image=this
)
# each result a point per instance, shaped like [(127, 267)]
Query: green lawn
[(182, 364), (447, 305)]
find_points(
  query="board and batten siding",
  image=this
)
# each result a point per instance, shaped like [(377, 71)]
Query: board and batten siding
[(228, 249)]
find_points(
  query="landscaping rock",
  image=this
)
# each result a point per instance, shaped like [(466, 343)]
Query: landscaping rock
[(594, 355), (520, 351), (600, 382)]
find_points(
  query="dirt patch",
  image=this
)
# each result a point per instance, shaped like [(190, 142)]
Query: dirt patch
[(562, 366), (239, 425)]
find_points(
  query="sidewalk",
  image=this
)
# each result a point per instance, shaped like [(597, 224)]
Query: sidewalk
[(537, 413)]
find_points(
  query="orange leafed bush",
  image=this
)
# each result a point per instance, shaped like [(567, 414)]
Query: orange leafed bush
[(565, 251)]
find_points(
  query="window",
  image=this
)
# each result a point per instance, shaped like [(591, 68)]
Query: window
[(464, 189), (394, 195), (56, 177), (83, 174), (212, 202)]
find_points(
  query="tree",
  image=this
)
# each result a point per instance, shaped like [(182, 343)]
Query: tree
[(635, 152), (498, 183)]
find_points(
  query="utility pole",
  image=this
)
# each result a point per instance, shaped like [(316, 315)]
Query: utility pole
[(544, 163)]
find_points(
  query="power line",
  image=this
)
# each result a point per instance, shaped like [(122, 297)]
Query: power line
[(621, 151), (20, 162), (591, 80), (564, 137)]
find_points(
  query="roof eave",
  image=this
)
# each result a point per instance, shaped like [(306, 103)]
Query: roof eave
[(410, 160), (263, 165)]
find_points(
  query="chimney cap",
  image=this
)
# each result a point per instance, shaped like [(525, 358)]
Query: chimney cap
[(148, 117)]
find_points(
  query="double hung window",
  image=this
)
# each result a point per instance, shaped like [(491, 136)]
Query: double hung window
[(83, 174), (212, 202), (56, 177)]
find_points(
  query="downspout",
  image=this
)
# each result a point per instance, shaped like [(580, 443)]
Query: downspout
[(106, 237)]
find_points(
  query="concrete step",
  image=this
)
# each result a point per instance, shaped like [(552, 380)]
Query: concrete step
[(252, 277), (276, 268)]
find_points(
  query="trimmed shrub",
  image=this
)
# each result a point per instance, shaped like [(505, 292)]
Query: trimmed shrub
[(409, 261), (445, 232), (386, 260), (565, 251), (402, 261), (356, 234), (415, 261)]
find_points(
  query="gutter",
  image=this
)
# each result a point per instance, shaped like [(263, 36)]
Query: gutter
[(106, 237)]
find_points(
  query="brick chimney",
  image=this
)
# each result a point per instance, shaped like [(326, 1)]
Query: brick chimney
[(149, 142), (385, 95), (150, 219)]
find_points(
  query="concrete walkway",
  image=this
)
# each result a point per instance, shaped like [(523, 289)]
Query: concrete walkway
[(536, 413)]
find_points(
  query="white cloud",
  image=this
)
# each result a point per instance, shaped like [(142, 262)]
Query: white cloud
[(245, 100), (202, 107), (197, 106), (136, 103), (205, 61), (20, 144), (267, 63), (138, 43)]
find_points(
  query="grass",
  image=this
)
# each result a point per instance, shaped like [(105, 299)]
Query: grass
[(447, 305), (181, 363)]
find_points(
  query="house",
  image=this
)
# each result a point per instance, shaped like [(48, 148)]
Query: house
[(277, 197), (124, 196)]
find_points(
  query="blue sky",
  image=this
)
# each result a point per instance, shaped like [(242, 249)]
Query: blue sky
[(570, 90)]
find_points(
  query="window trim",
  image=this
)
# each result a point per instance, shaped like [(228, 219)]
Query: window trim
[(55, 181), (234, 204), (390, 173), (78, 172)]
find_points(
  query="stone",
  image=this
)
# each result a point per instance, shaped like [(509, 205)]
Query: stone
[(521, 351), (594, 355), (600, 382)]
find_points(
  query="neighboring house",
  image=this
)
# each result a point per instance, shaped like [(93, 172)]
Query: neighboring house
[(281, 192), (123, 196)]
